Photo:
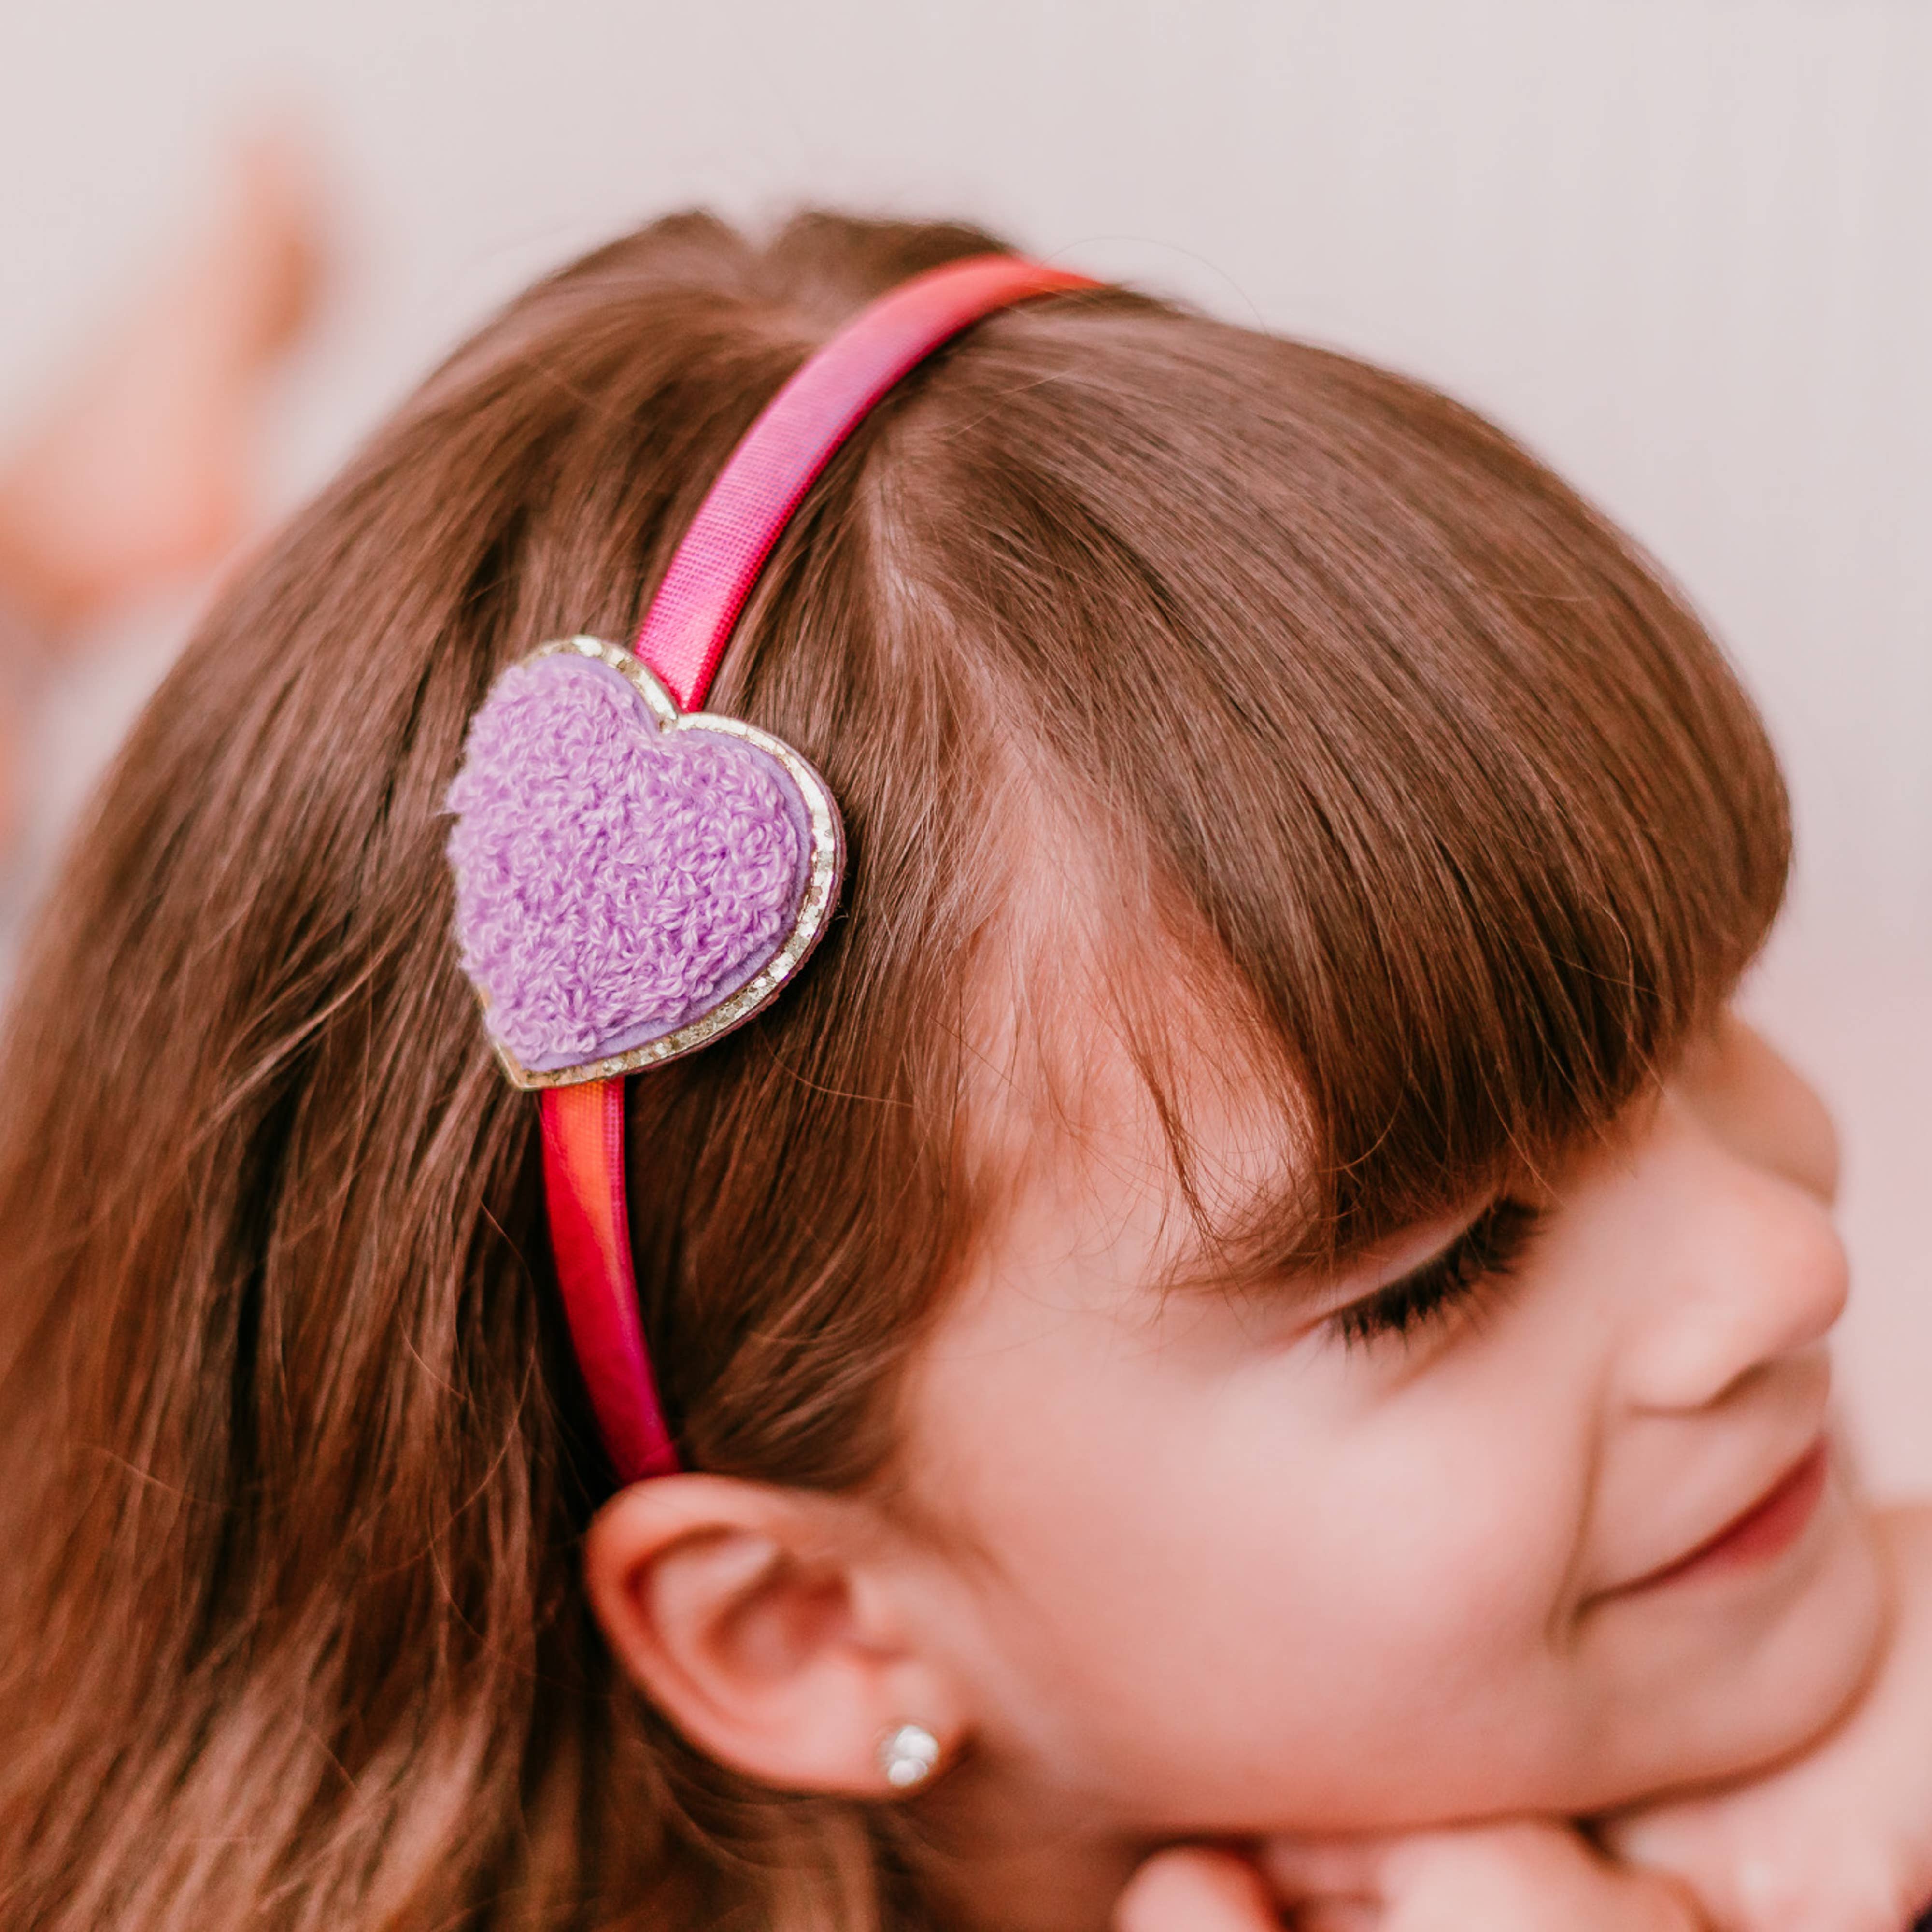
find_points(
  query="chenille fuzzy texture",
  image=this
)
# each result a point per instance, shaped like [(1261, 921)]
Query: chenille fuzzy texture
[(614, 881)]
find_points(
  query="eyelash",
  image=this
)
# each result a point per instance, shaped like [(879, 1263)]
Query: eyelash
[(1486, 1251)]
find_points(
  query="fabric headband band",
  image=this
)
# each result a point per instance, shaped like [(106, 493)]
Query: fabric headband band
[(634, 877)]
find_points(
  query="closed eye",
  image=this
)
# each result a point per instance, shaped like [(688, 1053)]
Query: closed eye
[(1482, 1255)]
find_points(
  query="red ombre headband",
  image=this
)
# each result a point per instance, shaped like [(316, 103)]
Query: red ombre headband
[(635, 878)]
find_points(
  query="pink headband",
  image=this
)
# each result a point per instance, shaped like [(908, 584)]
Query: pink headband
[(634, 877)]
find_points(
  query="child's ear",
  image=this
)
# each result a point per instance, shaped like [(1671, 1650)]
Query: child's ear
[(771, 1626)]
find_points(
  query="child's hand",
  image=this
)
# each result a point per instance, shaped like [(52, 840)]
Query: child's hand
[(1840, 1841), (1527, 1877), (1192, 1889)]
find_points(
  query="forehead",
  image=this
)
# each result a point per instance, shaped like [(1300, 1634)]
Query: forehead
[(1122, 1107)]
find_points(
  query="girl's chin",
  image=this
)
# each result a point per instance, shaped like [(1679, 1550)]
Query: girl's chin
[(1791, 1672)]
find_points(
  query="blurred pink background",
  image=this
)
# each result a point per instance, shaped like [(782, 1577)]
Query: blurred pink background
[(1680, 246)]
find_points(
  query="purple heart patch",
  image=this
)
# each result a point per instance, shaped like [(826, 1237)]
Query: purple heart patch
[(631, 881)]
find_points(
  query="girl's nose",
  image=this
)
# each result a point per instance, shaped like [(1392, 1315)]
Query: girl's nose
[(1749, 1271)]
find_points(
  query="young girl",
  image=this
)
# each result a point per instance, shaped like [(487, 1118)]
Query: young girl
[(1250, 1294)]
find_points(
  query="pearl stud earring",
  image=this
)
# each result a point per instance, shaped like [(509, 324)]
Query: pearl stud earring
[(907, 1755)]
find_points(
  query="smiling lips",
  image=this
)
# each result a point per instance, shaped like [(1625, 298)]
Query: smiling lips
[(1766, 1529)]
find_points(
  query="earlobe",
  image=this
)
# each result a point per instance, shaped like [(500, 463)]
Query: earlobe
[(769, 1625)]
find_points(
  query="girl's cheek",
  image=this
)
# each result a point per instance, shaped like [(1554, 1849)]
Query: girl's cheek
[(1225, 1545), (1437, 1521), (1463, 1518)]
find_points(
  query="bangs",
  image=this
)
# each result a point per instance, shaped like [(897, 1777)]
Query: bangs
[(1457, 788)]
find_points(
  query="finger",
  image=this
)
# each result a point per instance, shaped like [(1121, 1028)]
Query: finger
[(1192, 1889), (1344, 1868), (1529, 1877), (1339, 1914), (1720, 1872)]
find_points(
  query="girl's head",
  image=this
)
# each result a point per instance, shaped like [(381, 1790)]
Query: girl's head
[(1248, 1250)]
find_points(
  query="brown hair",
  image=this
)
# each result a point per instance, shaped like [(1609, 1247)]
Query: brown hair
[(293, 1463)]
